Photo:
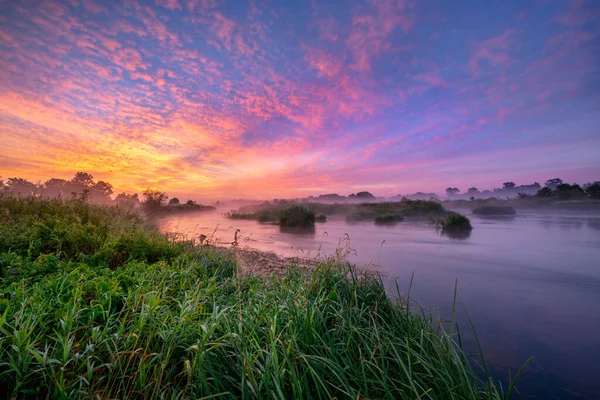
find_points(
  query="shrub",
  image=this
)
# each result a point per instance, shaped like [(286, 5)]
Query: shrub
[(456, 222), (296, 216)]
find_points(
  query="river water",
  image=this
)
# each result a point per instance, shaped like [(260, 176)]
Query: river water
[(530, 284)]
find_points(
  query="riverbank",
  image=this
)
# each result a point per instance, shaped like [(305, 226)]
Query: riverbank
[(96, 303)]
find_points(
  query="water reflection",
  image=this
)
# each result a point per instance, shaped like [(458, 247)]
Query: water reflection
[(562, 223), (594, 223), (456, 234), (296, 230)]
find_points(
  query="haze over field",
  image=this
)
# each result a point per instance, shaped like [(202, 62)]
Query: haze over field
[(265, 99)]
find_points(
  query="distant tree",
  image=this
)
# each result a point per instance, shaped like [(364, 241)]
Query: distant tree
[(20, 187), (452, 191), (472, 198), (544, 192), (553, 183), (508, 185), (522, 195), (365, 195), (154, 200), (564, 191), (174, 201), (83, 179), (101, 191), (472, 191), (128, 200), (190, 203), (55, 188), (593, 190)]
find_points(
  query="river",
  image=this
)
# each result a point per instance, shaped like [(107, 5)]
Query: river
[(530, 284)]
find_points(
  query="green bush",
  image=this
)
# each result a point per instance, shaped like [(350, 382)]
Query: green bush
[(296, 216), (456, 222)]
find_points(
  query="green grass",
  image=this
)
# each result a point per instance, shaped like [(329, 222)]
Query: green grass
[(97, 304), (494, 210)]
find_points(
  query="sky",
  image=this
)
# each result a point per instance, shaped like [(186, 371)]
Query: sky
[(290, 98)]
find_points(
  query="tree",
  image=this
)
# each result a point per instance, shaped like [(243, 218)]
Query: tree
[(593, 190), (83, 179), (101, 191), (452, 191), (553, 183), (508, 185), (174, 201), (55, 187), (544, 192), (564, 191), (20, 187), (128, 200), (365, 195), (473, 190), (190, 203), (154, 200)]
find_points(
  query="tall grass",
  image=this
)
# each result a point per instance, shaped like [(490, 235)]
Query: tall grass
[(170, 320)]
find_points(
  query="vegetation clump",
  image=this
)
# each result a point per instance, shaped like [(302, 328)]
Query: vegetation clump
[(494, 210), (296, 216), (453, 222)]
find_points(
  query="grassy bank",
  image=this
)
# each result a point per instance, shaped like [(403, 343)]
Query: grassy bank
[(97, 304)]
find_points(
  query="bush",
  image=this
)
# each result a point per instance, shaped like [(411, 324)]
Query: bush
[(296, 216), (494, 210), (456, 222)]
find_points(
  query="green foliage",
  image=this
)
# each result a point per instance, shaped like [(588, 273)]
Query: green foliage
[(494, 210), (296, 216), (453, 222), (174, 321)]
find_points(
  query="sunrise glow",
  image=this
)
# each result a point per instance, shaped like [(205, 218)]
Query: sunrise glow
[(289, 98)]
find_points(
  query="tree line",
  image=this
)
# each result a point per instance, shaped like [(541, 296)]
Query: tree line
[(555, 188), (82, 187)]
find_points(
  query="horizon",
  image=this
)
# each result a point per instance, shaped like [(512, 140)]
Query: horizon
[(266, 101)]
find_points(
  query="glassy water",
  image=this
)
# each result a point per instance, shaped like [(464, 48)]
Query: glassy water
[(530, 284)]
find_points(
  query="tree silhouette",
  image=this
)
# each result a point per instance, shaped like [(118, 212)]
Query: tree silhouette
[(509, 185), (154, 200), (553, 183), (174, 201), (452, 191)]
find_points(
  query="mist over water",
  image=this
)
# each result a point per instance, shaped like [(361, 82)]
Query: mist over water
[(530, 284)]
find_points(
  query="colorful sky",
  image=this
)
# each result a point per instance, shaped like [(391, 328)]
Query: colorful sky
[(289, 98)]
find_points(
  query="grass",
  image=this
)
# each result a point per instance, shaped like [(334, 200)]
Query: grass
[(494, 210), (97, 304)]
